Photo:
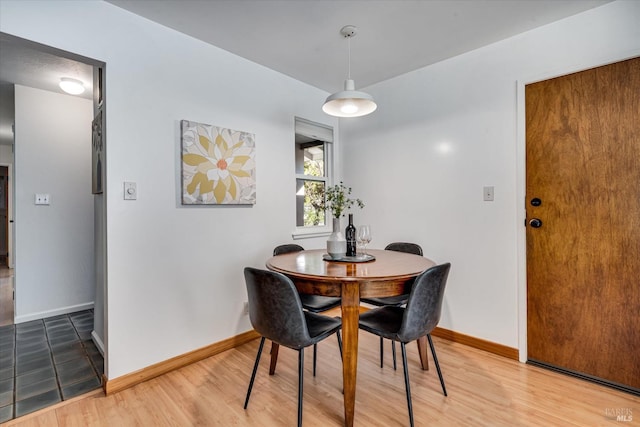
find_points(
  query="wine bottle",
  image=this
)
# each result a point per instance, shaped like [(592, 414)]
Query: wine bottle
[(350, 235)]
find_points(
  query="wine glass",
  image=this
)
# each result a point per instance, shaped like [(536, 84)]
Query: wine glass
[(364, 237)]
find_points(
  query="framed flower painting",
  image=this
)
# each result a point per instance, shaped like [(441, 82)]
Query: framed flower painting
[(218, 165)]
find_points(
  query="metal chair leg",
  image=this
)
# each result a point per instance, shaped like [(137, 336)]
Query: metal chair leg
[(406, 381), (381, 351), (300, 383), (340, 344), (435, 361), (315, 357), (253, 374), (393, 349)]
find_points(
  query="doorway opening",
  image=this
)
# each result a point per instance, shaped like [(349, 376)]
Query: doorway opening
[(73, 320)]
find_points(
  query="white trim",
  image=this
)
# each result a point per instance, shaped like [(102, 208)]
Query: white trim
[(521, 234), (51, 313), (313, 130), (307, 233), (98, 342)]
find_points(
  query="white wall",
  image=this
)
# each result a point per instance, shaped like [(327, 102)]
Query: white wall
[(175, 273), (443, 132), (6, 154), (175, 279), (54, 267)]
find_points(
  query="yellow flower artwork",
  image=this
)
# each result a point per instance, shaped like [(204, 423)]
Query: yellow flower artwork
[(218, 165)]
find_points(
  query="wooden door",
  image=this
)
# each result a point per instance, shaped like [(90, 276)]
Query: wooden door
[(583, 261)]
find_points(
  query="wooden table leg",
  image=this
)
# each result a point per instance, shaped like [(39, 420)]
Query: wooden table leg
[(422, 351), (274, 358), (350, 316)]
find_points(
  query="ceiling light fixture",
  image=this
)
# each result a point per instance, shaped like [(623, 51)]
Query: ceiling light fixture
[(349, 102), (71, 86)]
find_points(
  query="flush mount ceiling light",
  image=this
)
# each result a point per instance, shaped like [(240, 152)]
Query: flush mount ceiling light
[(71, 86), (349, 102)]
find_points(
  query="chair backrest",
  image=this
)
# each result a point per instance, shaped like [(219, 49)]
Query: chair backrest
[(287, 249), (275, 309), (422, 313), (410, 248)]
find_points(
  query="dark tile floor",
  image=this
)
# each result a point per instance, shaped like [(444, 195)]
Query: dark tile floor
[(46, 361)]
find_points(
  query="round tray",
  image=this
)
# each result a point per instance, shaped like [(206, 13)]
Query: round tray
[(357, 258)]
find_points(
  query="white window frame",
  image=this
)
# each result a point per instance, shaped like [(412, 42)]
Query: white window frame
[(319, 132)]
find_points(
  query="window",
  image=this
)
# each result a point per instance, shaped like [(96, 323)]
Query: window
[(313, 158)]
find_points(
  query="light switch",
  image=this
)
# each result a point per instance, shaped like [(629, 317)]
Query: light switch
[(130, 191), (42, 199), (487, 194)]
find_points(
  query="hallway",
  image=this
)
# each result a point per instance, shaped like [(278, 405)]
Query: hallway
[(46, 361), (6, 296)]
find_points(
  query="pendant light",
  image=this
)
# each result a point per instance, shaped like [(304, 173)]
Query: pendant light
[(349, 102)]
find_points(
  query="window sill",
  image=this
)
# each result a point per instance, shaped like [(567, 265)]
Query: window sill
[(308, 234)]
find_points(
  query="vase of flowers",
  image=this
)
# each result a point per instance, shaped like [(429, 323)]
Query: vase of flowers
[(337, 201)]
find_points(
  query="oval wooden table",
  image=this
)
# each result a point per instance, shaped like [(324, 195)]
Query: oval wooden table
[(387, 275)]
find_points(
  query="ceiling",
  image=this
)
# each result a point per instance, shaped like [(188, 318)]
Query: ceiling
[(29, 64), (301, 38), (33, 65)]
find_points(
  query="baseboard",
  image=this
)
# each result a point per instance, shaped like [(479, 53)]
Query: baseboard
[(491, 347), (51, 313), (98, 342), (129, 380)]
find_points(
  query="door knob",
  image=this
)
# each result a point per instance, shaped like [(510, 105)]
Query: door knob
[(535, 223)]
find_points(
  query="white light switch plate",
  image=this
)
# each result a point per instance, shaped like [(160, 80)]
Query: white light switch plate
[(130, 191), (42, 199), (487, 194)]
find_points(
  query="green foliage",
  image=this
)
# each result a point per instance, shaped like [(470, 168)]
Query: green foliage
[(313, 194), (337, 200), (313, 203)]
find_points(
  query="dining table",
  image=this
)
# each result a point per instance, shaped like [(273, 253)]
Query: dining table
[(390, 273)]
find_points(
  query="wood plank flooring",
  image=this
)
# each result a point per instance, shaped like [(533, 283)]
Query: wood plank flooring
[(484, 390)]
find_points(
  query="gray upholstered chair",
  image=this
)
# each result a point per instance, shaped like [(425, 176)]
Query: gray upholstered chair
[(276, 313), (410, 248), (418, 319), (313, 303)]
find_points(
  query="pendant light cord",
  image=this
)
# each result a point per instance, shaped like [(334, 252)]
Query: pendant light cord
[(349, 57)]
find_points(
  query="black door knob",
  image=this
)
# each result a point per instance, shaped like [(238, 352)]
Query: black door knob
[(535, 223)]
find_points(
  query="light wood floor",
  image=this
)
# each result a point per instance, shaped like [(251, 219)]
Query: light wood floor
[(6, 295), (484, 390)]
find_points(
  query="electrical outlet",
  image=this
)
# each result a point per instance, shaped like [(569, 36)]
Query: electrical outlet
[(487, 194), (246, 308)]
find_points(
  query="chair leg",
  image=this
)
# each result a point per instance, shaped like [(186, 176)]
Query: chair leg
[(274, 358), (253, 374), (393, 349), (435, 361), (381, 351), (300, 383), (406, 381), (340, 344), (315, 357)]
